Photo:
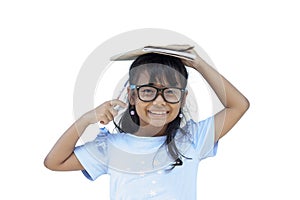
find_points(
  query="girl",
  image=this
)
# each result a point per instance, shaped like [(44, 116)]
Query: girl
[(156, 152)]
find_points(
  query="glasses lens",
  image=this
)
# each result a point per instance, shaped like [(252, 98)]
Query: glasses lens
[(172, 95), (147, 93)]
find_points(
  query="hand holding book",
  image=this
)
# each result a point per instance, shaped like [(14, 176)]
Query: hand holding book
[(180, 51)]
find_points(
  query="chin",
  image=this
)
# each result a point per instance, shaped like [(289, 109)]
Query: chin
[(158, 123)]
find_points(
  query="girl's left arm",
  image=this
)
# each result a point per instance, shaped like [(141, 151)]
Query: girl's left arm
[(234, 102)]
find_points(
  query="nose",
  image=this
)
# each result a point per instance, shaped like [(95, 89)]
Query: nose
[(159, 100)]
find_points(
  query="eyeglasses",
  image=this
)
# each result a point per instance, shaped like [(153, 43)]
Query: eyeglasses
[(149, 93)]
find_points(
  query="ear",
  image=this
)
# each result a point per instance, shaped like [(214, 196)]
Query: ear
[(184, 99), (131, 96)]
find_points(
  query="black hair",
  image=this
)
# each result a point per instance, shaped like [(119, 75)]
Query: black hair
[(163, 69)]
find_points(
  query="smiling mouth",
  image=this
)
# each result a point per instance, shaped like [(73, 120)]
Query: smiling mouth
[(158, 113)]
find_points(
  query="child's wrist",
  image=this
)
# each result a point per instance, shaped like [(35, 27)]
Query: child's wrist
[(85, 120)]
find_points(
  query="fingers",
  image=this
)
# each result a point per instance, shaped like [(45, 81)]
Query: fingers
[(117, 102), (108, 110), (105, 118), (192, 63)]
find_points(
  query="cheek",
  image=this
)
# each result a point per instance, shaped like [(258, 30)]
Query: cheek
[(140, 107), (175, 110)]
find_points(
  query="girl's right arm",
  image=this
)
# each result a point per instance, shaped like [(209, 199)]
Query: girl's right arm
[(61, 157)]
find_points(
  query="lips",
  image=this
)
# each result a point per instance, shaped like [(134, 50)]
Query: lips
[(158, 112)]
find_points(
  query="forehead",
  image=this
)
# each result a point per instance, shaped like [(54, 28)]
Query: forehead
[(143, 78), (159, 79)]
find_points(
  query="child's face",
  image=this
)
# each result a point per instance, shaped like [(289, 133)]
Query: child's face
[(157, 113)]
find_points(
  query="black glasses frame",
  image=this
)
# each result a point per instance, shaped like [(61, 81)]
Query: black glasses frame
[(159, 91)]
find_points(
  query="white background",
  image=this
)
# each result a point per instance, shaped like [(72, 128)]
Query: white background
[(254, 44)]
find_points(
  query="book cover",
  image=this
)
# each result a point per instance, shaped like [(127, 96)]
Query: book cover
[(179, 51)]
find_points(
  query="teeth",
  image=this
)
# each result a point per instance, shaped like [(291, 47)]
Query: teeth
[(158, 113)]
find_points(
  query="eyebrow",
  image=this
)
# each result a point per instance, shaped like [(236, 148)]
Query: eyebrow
[(160, 85)]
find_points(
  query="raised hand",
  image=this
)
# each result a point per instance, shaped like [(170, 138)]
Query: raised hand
[(105, 112)]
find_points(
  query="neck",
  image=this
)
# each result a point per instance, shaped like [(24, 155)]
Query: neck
[(150, 131)]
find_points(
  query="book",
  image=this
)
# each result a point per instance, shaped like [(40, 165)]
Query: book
[(180, 51)]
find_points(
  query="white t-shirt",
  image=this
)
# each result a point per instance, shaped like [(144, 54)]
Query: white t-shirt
[(140, 167)]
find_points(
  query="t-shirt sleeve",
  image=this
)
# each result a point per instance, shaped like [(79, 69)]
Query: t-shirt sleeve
[(204, 137), (93, 157)]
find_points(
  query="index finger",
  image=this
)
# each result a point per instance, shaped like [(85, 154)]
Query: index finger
[(117, 102)]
